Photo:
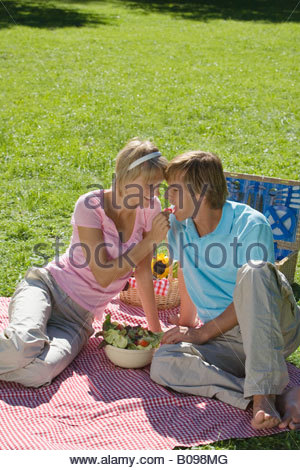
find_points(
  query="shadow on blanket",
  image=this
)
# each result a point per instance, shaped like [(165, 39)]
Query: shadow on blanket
[(94, 405)]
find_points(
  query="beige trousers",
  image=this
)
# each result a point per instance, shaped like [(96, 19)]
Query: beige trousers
[(247, 360), (46, 331)]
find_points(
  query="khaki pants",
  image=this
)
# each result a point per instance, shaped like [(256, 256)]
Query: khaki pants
[(47, 330), (247, 360)]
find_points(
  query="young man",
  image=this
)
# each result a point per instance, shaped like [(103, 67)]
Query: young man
[(227, 278)]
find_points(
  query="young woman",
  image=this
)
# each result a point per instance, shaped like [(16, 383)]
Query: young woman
[(52, 309)]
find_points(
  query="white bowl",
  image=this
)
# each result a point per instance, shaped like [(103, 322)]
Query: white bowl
[(129, 358)]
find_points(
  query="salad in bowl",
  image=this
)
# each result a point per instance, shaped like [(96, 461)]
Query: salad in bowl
[(128, 346)]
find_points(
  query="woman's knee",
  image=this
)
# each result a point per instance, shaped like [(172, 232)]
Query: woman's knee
[(17, 349), (36, 374)]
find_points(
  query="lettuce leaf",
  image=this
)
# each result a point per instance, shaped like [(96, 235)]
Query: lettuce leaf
[(126, 336), (115, 338)]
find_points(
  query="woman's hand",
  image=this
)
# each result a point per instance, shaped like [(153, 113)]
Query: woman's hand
[(160, 228)]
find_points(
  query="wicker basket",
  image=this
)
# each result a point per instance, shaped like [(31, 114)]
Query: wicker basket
[(170, 300), (288, 266), (239, 186)]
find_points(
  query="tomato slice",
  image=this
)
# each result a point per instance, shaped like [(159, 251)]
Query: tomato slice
[(143, 342), (170, 210)]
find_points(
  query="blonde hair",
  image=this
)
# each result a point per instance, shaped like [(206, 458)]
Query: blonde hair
[(133, 150), (200, 169)]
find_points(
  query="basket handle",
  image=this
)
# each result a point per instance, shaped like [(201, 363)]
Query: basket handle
[(170, 275)]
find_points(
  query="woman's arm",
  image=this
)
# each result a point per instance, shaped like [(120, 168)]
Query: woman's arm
[(106, 271), (144, 280)]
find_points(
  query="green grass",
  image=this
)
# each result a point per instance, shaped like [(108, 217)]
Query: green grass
[(78, 79)]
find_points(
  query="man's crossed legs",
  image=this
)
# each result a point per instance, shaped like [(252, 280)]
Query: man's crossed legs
[(246, 364)]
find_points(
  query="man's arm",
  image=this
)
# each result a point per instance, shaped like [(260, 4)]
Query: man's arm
[(210, 330), (188, 313)]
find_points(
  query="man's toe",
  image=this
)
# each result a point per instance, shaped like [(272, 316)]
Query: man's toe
[(294, 425), (260, 420)]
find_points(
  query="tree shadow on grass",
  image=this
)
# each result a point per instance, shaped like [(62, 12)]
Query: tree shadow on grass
[(275, 11), (44, 14), (55, 14)]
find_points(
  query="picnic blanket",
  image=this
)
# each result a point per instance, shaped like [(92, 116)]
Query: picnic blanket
[(95, 405)]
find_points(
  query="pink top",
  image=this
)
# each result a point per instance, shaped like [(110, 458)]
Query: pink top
[(72, 272)]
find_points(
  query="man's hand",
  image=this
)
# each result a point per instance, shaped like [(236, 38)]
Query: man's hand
[(183, 333), (210, 330)]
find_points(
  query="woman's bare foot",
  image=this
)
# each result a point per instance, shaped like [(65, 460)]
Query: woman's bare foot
[(174, 319), (265, 414), (289, 406)]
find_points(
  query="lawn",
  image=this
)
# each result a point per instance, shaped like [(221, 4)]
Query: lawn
[(80, 78)]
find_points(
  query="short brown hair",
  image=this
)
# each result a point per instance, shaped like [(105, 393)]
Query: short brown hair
[(133, 150), (198, 169)]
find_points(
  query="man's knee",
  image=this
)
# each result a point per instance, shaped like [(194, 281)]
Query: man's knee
[(256, 266), (252, 270)]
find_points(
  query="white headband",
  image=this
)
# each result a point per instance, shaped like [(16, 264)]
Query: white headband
[(144, 159)]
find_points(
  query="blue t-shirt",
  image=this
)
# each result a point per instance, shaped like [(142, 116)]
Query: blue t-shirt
[(210, 263)]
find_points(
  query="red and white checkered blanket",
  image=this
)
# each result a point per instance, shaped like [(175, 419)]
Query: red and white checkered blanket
[(95, 405), (161, 286)]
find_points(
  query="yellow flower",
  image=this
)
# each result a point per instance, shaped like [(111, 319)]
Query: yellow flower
[(160, 266)]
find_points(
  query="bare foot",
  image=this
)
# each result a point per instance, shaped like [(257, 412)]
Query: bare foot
[(265, 414), (289, 406), (174, 319)]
